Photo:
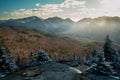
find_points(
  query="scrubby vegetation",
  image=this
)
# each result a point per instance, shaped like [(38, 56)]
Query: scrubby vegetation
[(21, 41), (23, 44)]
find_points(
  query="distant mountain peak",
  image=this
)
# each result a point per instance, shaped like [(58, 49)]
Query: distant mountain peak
[(69, 20), (33, 18), (86, 19), (29, 19), (55, 18), (101, 18)]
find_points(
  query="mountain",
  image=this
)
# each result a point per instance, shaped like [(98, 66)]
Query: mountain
[(2, 21), (24, 37), (54, 24), (96, 28), (58, 25), (30, 19), (90, 28)]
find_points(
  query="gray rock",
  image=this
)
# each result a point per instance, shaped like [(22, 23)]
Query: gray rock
[(2, 74), (56, 71)]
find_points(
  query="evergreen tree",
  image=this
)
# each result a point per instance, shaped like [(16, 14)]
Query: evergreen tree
[(2, 51), (109, 52), (94, 52), (75, 57), (92, 58), (18, 61), (31, 58), (95, 56), (56, 56)]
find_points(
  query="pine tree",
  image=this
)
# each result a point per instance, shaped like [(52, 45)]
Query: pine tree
[(94, 52), (31, 58), (18, 61), (56, 56), (108, 50), (75, 57), (94, 56)]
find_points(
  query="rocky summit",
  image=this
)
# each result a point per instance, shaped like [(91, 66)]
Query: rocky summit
[(49, 71), (41, 66)]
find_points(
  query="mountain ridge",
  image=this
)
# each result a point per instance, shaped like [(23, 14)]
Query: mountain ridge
[(89, 28)]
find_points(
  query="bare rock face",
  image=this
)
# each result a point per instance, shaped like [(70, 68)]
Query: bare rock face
[(48, 71), (7, 65), (55, 71)]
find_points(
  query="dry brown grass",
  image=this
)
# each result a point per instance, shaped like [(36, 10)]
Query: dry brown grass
[(20, 40)]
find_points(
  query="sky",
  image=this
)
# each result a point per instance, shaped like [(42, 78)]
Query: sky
[(74, 9)]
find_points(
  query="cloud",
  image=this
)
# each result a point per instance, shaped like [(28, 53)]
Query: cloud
[(92, 3), (21, 9), (37, 4), (75, 9), (49, 9), (72, 4), (110, 4), (23, 12), (5, 12)]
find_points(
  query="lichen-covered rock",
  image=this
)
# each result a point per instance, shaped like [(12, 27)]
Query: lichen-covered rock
[(81, 77), (2, 74)]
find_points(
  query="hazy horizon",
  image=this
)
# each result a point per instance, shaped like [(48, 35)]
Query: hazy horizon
[(60, 17), (73, 9)]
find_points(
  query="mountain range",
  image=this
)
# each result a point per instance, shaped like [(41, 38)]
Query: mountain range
[(91, 28)]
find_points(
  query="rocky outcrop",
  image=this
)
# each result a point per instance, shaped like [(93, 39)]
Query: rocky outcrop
[(48, 71)]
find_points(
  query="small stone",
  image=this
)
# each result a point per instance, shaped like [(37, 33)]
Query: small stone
[(2, 74)]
